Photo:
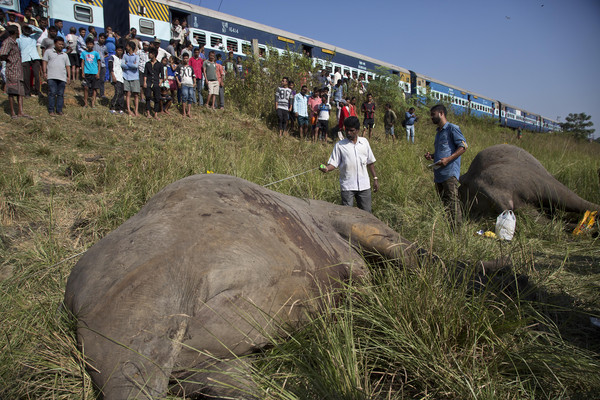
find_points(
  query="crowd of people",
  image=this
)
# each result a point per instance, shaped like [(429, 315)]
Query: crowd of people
[(32, 52), (311, 110), (140, 71)]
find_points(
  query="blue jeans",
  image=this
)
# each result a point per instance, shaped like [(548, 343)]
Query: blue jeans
[(187, 94), (56, 95)]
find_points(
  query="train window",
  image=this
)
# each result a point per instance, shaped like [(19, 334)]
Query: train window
[(246, 48), (216, 41), (200, 38), (329, 69), (232, 45), (83, 13), (262, 52), (146, 27)]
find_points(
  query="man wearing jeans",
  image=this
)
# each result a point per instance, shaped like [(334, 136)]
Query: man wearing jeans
[(196, 62), (353, 156), (57, 71), (450, 144), (410, 119)]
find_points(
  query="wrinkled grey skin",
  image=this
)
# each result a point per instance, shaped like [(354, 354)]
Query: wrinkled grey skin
[(212, 264), (506, 177)]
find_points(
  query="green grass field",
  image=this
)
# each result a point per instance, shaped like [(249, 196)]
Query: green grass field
[(68, 181)]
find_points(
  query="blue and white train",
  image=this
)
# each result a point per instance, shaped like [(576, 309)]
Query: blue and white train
[(223, 33)]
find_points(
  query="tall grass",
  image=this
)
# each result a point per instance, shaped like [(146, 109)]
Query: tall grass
[(424, 333)]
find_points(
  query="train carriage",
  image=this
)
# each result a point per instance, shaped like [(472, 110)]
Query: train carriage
[(222, 33), (460, 100)]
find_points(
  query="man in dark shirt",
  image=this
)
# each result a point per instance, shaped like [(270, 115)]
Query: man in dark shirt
[(368, 109), (151, 85)]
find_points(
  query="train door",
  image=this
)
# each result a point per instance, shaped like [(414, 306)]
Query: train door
[(116, 15), (181, 16), (307, 50)]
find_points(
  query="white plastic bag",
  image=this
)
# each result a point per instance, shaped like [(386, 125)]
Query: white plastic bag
[(505, 225)]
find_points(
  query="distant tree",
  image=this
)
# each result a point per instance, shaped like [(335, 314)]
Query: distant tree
[(579, 125)]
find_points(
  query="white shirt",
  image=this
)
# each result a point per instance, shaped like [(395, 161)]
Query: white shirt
[(336, 77), (117, 68), (352, 160)]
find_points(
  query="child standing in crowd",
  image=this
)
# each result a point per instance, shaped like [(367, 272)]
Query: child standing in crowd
[(56, 69), (210, 73), (131, 78), (172, 76), (90, 65), (389, 119), (117, 103), (72, 51), (186, 81), (282, 105), (313, 111), (164, 80), (151, 84), (323, 125), (368, 109), (80, 48), (143, 56), (100, 47)]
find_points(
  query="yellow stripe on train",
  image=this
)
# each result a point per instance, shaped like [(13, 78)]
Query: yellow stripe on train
[(149, 9), (97, 3)]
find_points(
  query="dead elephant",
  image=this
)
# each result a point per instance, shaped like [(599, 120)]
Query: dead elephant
[(506, 177), (204, 263)]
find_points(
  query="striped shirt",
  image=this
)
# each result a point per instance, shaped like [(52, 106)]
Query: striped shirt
[(301, 105)]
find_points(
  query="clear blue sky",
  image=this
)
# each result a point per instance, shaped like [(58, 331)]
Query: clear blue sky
[(542, 55)]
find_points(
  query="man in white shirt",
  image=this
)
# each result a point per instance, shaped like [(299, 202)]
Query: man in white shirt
[(353, 156)]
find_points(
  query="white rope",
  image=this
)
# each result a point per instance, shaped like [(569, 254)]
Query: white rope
[(290, 177)]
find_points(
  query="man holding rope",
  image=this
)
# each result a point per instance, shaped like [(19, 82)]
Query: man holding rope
[(354, 157)]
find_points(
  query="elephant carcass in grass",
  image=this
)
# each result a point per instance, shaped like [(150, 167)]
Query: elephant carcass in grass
[(209, 268), (506, 177)]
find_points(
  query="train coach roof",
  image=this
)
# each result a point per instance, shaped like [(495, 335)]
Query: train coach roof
[(182, 5)]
